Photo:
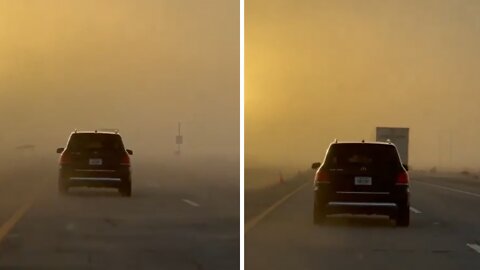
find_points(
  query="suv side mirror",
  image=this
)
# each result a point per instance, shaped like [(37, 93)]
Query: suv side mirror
[(405, 166), (60, 150), (316, 165), (130, 152)]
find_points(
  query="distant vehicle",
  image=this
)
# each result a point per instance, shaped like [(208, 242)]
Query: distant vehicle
[(397, 136), (362, 178), (95, 159)]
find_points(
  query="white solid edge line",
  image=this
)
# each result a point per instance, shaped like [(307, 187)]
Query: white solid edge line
[(474, 247), (415, 210), (449, 189), (191, 203), (254, 221)]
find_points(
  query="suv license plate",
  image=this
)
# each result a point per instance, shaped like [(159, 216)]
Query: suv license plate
[(95, 161), (363, 181)]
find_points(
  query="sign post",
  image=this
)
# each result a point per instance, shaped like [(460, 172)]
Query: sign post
[(398, 136), (179, 139)]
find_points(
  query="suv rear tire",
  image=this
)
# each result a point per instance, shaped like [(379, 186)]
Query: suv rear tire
[(319, 214), (62, 187), (403, 216), (126, 190)]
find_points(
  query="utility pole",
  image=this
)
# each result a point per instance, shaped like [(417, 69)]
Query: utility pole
[(179, 139), (439, 150), (450, 149)]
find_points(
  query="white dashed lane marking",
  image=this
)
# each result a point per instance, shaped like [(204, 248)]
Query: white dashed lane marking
[(474, 247), (415, 210), (191, 203)]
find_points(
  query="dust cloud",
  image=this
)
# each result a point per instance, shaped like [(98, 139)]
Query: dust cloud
[(320, 70), (137, 66)]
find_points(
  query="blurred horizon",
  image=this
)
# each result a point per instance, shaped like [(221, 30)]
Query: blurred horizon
[(316, 71), (139, 66)]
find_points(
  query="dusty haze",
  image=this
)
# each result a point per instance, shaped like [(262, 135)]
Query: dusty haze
[(139, 66), (319, 70)]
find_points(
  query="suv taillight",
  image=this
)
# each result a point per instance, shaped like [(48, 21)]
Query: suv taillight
[(125, 161), (321, 177), (402, 178), (65, 159)]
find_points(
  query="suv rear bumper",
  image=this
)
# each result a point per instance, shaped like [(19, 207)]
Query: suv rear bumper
[(94, 178), (382, 203), (93, 182), (361, 208)]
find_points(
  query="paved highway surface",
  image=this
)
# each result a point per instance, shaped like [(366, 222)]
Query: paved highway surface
[(444, 233), (174, 220)]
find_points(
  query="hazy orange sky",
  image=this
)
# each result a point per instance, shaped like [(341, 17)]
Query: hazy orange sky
[(140, 66), (319, 70)]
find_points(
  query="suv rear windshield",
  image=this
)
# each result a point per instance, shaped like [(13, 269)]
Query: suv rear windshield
[(93, 141), (362, 154)]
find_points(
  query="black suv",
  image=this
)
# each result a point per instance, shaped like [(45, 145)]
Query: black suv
[(362, 178), (95, 159)]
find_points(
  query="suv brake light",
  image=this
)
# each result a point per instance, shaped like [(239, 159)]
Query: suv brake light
[(65, 159), (321, 177), (402, 178), (125, 161)]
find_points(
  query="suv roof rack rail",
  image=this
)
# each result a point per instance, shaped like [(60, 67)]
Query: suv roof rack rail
[(113, 130)]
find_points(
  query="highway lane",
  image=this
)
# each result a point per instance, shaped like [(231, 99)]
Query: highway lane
[(175, 220), (444, 234)]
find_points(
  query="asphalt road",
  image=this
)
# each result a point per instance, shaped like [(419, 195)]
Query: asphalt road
[(174, 220), (444, 233)]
